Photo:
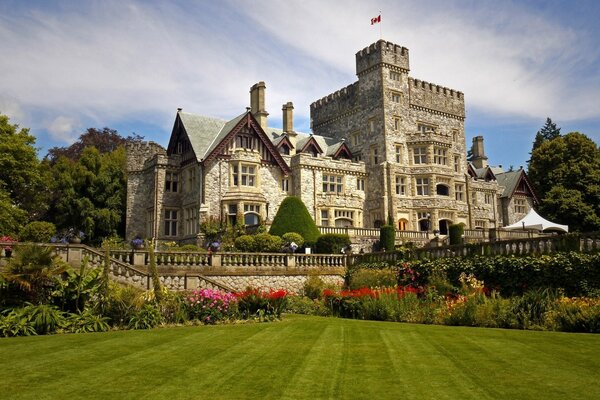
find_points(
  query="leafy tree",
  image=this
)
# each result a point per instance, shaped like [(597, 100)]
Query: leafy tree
[(548, 132), (566, 174), (22, 179), (293, 216), (11, 216), (105, 140), (90, 193)]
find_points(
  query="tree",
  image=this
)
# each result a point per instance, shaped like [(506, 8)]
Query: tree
[(565, 172), (105, 140), (548, 132), (90, 193), (22, 178), (293, 216)]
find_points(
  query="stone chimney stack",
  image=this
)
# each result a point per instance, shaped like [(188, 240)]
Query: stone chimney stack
[(288, 124), (257, 103), (479, 158)]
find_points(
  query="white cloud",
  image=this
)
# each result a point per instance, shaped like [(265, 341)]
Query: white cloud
[(110, 61), (64, 129)]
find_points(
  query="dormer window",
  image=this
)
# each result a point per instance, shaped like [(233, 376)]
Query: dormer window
[(284, 149)]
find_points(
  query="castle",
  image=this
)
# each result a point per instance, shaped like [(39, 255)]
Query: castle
[(386, 148)]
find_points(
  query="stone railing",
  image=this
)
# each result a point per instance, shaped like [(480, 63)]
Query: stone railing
[(538, 245), (373, 232)]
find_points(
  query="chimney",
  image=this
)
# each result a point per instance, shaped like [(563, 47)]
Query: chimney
[(479, 158), (288, 124), (257, 103)]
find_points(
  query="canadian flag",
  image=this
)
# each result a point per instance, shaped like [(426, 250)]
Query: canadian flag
[(376, 20)]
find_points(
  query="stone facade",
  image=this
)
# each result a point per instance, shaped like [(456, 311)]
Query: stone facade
[(385, 148)]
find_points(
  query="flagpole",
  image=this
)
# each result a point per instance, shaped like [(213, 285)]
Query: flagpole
[(380, 23)]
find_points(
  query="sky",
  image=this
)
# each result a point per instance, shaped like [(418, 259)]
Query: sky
[(128, 65)]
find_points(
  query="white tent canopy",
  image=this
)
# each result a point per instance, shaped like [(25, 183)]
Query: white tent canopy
[(533, 221)]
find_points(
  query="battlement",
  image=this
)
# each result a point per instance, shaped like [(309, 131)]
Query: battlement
[(382, 52), (417, 83), (348, 91), (139, 152)]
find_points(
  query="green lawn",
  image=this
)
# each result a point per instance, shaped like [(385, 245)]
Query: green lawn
[(303, 357)]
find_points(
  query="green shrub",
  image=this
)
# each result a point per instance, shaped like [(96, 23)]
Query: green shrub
[(332, 243), (146, 317), (292, 216), (575, 315), (387, 238), (313, 287), (122, 303), (173, 308), (245, 243), (191, 248), (530, 309), (44, 318), (456, 233), (38, 232), (87, 321), (293, 237), (115, 243), (307, 306), (267, 243), (16, 323), (373, 278)]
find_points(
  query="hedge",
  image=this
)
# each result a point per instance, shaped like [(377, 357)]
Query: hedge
[(293, 216)]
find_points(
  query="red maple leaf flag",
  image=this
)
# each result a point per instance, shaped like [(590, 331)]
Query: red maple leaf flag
[(376, 20)]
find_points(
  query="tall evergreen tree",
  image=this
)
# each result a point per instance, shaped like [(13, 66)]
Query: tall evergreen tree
[(548, 132)]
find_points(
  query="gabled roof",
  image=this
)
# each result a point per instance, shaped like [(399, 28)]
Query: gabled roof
[(305, 143), (338, 149), (486, 173), (511, 180)]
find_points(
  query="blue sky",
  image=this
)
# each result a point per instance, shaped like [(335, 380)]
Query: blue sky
[(128, 65)]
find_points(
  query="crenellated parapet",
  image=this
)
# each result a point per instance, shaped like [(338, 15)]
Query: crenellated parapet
[(436, 98), (334, 105), (382, 52), (139, 152)]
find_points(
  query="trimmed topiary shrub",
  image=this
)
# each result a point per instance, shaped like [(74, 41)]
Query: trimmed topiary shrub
[(267, 243), (245, 243), (332, 243), (293, 216), (38, 232), (387, 237), (293, 237), (456, 232)]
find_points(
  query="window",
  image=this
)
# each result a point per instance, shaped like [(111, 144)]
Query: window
[(402, 224), (243, 175), (251, 214), (488, 198), (332, 184), (459, 192), (171, 181), (191, 220), (479, 224), (455, 136), (285, 185), (150, 223), (232, 213), (420, 155), (356, 139), (343, 218), (324, 217), (422, 186), (456, 163), (442, 190), (394, 76), (398, 153), (170, 222), (372, 125), (439, 157), (474, 197), (374, 155), (520, 206), (244, 142), (425, 128), (191, 179), (401, 186), (284, 149), (397, 123), (360, 184), (396, 97)]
